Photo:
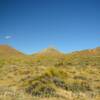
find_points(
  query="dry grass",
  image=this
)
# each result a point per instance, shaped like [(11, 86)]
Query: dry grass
[(47, 76)]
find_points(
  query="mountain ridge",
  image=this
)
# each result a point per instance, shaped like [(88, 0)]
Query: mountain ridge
[(7, 51), (50, 74), (5, 47)]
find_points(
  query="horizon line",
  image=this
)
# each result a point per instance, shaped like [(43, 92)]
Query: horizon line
[(47, 48)]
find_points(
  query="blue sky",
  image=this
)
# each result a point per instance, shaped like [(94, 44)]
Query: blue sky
[(32, 25)]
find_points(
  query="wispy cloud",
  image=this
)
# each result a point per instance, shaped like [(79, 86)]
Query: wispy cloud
[(7, 37)]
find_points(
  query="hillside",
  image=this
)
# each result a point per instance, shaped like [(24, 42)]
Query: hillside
[(84, 57), (7, 51), (48, 57), (51, 56), (89, 52), (49, 75)]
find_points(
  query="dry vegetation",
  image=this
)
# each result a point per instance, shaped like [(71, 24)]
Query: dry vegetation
[(49, 75)]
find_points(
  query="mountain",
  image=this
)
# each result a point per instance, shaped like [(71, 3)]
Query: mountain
[(6, 51), (88, 52), (49, 75), (50, 52), (52, 56), (84, 57), (48, 56)]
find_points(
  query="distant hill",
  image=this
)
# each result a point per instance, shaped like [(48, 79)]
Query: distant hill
[(49, 52), (84, 57), (7, 51), (88, 52), (49, 75), (51, 56), (48, 56)]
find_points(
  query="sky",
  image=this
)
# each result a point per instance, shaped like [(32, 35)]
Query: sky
[(32, 25)]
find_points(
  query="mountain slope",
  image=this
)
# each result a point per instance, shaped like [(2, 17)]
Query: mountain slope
[(49, 56), (50, 75), (84, 57), (50, 52), (7, 51), (88, 52)]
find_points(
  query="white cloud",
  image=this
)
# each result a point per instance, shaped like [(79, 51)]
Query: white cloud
[(7, 37)]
